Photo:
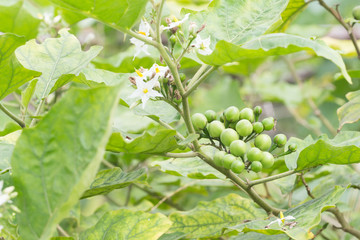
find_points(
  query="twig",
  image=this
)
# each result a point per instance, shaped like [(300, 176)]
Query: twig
[(355, 186), (271, 178), (345, 226), (199, 81), (172, 194), (165, 125), (12, 116), (320, 231), (61, 231), (308, 190), (108, 164), (181, 155), (128, 195)]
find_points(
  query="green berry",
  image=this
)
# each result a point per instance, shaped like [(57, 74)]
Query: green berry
[(292, 147), (228, 160), (231, 114), (258, 127), (263, 142), (356, 12), (228, 136), (268, 123), (210, 115), (254, 154), (244, 128), (248, 114), (218, 158), (238, 148), (237, 166), (257, 111), (215, 128), (268, 160), (199, 121), (182, 77), (256, 166), (280, 140)]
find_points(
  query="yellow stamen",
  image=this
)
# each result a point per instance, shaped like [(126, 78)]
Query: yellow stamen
[(282, 217), (139, 73), (143, 33), (175, 19), (202, 46), (157, 70), (145, 90)]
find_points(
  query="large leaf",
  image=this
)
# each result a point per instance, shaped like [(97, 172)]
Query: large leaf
[(51, 175), (125, 224), (350, 111), (272, 45), (189, 167), (111, 179), (307, 216), (13, 75), (7, 144), (16, 19), (118, 14), (292, 10), (55, 57), (209, 218), (162, 141), (343, 149), (238, 21)]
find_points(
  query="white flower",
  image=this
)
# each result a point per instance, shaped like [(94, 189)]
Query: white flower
[(144, 29), (282, 219), (176, 22), (6, 194), (145, 90), (157, 71), (203, 45)]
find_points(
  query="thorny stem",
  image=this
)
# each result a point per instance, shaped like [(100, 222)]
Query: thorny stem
[(12, 116), (347, 26)]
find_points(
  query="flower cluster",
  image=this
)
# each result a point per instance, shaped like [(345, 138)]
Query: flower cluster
[(144, 29), (5, 196)]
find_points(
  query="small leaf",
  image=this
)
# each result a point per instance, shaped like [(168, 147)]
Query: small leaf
[(190, 138), (162, 141), (125, 224), (209, 218), (350, 111), (307, 216), (9, 128), (55, 57), (27, 94), (111, 179), (51, 175), (13, 75)]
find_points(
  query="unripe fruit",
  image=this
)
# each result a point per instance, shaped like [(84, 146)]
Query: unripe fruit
[(256, 166), (218, 158), (210, 115), (257, 111), (238, 148), (215, 128), (231, 114), (263, 142), (199, 121), (244, 128), (228, 136), (280, 140), (173, 40), (268, 160), (258, 127), (356, 12), (254, 154), (182, 77), (228, 160), (247, 113), (292, 147), (237, 166), (268, 123)]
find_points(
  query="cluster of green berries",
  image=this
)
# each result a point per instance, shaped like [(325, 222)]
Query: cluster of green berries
[(241, 139)]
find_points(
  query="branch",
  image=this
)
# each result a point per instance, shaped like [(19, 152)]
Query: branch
[(164, 124), (181, 155), (271, 178), (194, 85), (345, 226), (306, 186), (12, 116)]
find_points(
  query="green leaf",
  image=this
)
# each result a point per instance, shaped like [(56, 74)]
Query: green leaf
[(126, 224), (209, 218), (254, 235), (189, 167), (307, 216), (27, 94), (55, 57), (238, 21), (9, 128), (350, 111), (272, 45), (161, 141), (291, 159), (111, 179), (190, 138), (16, 19), (117, 14), (13, 75), (51, 175), (343, 149)]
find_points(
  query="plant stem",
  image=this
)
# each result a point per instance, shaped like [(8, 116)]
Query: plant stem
[(271, 178), (345, 226), (12, 116), (306, 186), (181, 155), (194, 86), (158, 21), (197, 75), (164, 124), (37, 112), (62, 231), (128, 195), (347, 26)]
